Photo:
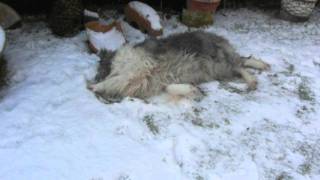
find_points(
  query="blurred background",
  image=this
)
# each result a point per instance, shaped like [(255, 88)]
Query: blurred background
[(42, 6)]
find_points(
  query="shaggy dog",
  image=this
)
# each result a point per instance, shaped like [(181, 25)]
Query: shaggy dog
[(173, 65)]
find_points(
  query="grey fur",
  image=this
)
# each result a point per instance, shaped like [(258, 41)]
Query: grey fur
[(148, 68), (104, 65)]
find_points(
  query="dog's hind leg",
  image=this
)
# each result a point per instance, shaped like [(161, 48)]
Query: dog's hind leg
[(109, 87), (249, 78), (255, 63), (177, 91)]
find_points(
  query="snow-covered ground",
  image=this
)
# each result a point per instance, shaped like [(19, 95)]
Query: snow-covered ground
[(53, 128), (2, 39)]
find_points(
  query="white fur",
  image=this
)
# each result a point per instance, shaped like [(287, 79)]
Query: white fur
[(130, 69)]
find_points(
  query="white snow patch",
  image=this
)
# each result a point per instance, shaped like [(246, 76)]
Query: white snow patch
[(2, 39), (110, 40), (132, 35), (91, 13), (147, 12)]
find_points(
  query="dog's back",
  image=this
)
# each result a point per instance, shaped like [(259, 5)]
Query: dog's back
[(198, 42), (194, 57)]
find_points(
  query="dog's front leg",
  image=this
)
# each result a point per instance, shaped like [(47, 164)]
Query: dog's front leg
[(99, 87), (249, 78)]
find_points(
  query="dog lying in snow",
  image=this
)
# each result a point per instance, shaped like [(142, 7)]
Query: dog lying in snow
[(174, 65)]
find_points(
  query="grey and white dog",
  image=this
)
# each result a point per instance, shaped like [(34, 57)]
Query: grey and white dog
[(174, 65)]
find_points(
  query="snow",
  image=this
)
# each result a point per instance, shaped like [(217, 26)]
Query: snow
[(52, 127), (147, 12), (110, 40), (2, 39), (91, 14)]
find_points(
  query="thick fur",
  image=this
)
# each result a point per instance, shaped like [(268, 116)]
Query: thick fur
[(156, 66)]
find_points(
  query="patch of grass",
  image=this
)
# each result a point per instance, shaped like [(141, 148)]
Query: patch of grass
[(305, 168), (284, 176), (124, 177), (226, 121), (316, 63), (198, 177), (149, 120), (304, 92), (197, 110), (231, 89), (303, 110), (241, 28), (291, 68), (199, 122)]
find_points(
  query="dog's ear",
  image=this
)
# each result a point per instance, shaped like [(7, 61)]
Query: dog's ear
[(104, 65)]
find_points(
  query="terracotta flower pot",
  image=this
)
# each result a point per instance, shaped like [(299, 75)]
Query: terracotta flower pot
[(203, 5), (199, 12), (98, 27), (133, 14)]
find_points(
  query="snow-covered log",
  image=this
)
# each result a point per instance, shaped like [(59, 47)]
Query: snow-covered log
[(104, 36), (9, 18), (2, 39), (145, 17)]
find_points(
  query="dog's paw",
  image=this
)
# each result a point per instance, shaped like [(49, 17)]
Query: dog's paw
[(93, 87)]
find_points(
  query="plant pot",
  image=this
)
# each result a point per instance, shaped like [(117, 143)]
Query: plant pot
[(203, 5), (97, 31), (196, 18), (142, 19), (199, 12), (297, 10)]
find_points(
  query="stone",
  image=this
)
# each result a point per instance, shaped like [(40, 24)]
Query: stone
[(107, 37), (9, 18), (203, 5)]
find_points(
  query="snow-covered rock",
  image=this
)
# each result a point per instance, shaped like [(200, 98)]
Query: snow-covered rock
[(8, 16), (145, 16), (90, 16), (2, 39), (104, 37)]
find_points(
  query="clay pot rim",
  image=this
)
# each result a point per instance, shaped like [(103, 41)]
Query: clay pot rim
[(97, 26)]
